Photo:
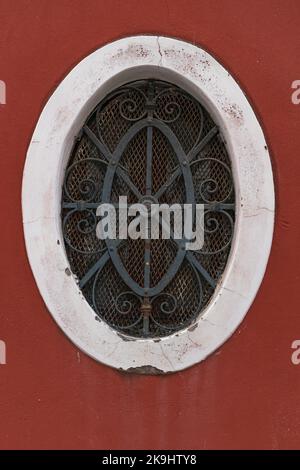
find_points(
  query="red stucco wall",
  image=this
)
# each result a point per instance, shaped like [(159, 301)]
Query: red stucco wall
[(247, 395)]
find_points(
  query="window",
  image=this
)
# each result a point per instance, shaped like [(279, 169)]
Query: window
[(173, 153), (216, 149)]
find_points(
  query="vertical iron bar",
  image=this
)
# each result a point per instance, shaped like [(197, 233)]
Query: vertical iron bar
[(148, 193), (147, 256), (149, 161)]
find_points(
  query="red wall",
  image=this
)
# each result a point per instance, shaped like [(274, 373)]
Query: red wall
[(247, 394)]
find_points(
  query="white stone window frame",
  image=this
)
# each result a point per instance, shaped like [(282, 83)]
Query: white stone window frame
[(196, 71)]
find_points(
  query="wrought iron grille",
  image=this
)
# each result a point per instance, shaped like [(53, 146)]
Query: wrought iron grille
[(148, 140)]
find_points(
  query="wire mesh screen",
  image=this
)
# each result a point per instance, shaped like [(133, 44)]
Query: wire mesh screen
[(145, 141)]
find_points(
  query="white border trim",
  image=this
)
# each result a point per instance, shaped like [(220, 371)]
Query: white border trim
[(201, 75)]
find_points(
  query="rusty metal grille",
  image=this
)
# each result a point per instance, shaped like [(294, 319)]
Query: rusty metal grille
[(165, 133)]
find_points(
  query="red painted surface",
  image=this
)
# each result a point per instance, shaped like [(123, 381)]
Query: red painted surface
[(247, 394)]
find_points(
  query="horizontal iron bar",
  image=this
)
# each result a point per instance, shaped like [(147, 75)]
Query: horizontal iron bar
[(81, 205)]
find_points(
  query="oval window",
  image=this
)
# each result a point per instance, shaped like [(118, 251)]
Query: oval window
[(151, 142), (152, 121)]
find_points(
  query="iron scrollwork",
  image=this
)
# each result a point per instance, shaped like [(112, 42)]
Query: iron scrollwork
[(148, 140)]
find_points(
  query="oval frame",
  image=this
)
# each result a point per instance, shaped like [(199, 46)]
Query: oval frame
[(109, 177), (196, 71)]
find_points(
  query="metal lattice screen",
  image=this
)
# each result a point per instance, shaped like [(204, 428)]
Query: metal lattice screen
[(145, 141)]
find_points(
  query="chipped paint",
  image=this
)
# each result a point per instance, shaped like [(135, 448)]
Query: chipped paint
[(234, 112)]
